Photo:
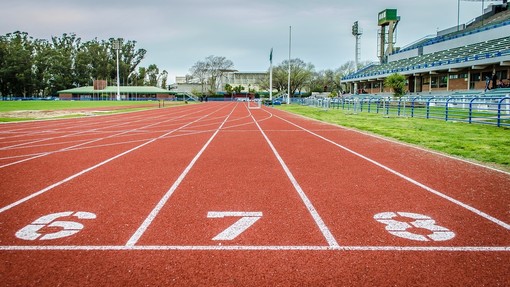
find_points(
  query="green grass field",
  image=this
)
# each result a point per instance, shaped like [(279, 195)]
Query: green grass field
[(8, 106), (482, 143), (109, 106)]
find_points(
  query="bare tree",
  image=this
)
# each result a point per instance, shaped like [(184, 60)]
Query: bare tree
[(199, 72), (210, 71)]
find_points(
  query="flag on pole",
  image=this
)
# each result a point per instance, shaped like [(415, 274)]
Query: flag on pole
[(271, 56)]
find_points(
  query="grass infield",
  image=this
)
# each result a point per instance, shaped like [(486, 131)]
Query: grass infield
[(11, 111), (8, 106), (486, 144)]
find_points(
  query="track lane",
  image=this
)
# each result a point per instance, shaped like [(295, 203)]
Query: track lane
[(113, 191), (475, 185), (236, 174), (23, 179), (96, 264), (351, 191)]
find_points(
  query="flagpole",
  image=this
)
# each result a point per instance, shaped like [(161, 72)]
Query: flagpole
[(288, 83), (271, 76)]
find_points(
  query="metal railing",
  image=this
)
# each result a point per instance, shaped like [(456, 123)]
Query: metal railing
[(490, 110)]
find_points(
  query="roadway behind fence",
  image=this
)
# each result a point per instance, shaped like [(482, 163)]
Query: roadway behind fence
[(489, 108)]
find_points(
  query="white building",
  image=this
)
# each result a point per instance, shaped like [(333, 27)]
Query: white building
[(248, 80)]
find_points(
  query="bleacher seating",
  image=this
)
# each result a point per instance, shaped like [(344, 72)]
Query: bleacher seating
[(484, 50)]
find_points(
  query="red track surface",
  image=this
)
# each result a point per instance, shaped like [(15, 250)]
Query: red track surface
[(218, 194)]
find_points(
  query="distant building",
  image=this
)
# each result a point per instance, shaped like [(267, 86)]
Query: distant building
[(249, 80), (101, 91)]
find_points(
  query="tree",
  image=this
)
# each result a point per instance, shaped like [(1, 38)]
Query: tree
[(152, 74), (164, 79), (64, 62), (300, 75), (16, 56), (210, 71), (238, 89), (199, 72), (397, 83), (229, 89), (129, 58), (42, 67), (99, 59), (325, 81), (217, 67)]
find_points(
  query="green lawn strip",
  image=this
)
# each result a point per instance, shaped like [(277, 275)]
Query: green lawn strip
[(117, 107), (486, 144), (8, 106)]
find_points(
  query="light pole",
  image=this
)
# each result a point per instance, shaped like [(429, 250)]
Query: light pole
[(288, 80), (116, 46)]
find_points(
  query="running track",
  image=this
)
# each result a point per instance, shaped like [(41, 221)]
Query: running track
[(219, 194)]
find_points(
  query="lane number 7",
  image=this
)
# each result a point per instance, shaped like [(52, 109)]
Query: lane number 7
[(247, 219)]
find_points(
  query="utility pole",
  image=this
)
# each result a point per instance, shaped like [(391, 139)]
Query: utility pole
[(356, 32), (116, 46), (288, 83)]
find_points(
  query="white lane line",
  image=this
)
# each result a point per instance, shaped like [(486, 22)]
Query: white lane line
[(257, 248), (404, 144), (24, 144), (91, 141), (313, 212), (152, 215), (27, 198), (429, 189), (116, 123)]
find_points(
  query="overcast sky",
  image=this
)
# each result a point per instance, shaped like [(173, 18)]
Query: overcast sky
[(177, 34)]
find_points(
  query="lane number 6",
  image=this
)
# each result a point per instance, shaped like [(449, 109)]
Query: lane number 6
[(66, 228)]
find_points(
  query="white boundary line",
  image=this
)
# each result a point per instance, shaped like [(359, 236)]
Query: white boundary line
[(429, 189), (308, 204), (35, 194), (256, 248), (401, 143), (25, 144), (152, 215), (94, 140), (95, 128)]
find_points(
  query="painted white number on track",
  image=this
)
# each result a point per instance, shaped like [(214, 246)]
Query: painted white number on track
[(67, 228), (247, 219), (400, 228)]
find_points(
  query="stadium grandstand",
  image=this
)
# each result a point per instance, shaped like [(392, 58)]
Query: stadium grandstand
[(468, 57)]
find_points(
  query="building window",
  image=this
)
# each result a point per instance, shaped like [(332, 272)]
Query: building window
[(501, 75), (433, 82), (443, 81)]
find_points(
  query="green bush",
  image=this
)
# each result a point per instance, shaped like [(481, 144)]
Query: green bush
[(397, 83)]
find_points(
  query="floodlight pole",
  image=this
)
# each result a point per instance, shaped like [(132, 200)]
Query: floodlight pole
[(117, 48), (271, 76), (288, 82)]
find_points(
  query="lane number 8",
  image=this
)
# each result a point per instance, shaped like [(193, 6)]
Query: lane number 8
[(402, 229)]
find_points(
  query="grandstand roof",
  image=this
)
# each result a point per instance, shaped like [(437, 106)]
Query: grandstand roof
[(472, 47), (449, 53), (113, 90)]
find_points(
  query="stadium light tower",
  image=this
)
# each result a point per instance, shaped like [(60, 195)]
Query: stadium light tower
[(356, 32), (116, 46), (388, 21)]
